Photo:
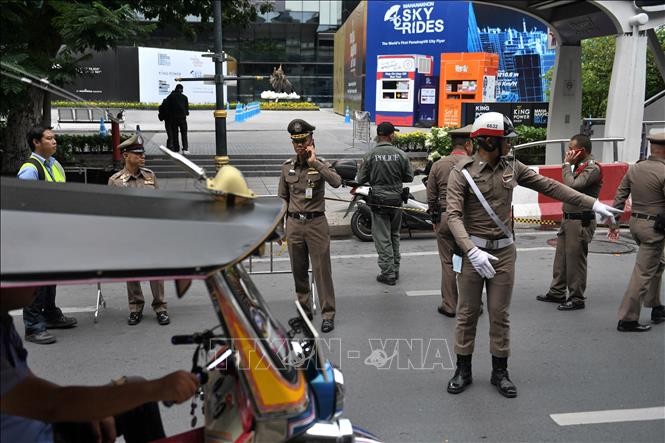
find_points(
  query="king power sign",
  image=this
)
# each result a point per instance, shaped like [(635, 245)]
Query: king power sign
[(414, 18)]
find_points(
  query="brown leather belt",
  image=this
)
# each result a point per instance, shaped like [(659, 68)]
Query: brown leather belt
[(643, 216), (587, 215), (305, 215)]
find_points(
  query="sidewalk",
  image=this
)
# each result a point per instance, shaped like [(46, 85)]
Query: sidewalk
[(264, 134)]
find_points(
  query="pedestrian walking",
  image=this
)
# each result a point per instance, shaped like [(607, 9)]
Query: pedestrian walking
[(437, 184), (175, 112), (386, 168), (302, 184), (581, 172), (136, 175), (43, 314), (479, 200), (645, 182)]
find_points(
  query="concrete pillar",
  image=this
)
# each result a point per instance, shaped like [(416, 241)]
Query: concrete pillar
[(565, 99), (625, 102)]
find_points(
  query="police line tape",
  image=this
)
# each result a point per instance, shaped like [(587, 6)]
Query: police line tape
[(533, 221), (417, 210)]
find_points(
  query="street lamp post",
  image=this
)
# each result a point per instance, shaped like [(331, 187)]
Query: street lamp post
[(221, 153)]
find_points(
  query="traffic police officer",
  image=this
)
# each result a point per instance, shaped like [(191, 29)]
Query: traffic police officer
[(136, 175), (386, 168), (645, 182), (437, 182), (302, 184), (582, 173), (483, 236)]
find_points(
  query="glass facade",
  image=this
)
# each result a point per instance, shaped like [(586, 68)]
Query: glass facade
[(297, 34)]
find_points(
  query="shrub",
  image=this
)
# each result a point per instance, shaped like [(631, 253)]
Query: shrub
[(69, 145), (411, 141), (269, 106), (438, 143), (534, 155)]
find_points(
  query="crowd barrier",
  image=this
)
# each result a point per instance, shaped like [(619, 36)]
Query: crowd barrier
[(243, 112), (530, 205)]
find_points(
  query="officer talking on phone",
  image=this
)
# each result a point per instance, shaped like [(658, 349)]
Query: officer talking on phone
[(581, 172), (302, 184)]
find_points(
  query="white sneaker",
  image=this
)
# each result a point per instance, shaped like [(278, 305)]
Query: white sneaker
[(185, 152)]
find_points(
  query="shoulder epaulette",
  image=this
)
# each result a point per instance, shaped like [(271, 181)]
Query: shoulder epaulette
[(463, 163)]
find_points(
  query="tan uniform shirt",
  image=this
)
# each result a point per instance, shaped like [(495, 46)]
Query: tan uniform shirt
[(466, 215), (586, 178), (144, 178), (646, 182), (295, 178), (437, 183)]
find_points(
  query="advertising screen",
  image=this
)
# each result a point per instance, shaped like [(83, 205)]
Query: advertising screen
[(158, 69), (412, 27), (354, 58)]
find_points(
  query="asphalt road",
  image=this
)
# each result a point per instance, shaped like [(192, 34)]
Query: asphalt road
[(570, 362)]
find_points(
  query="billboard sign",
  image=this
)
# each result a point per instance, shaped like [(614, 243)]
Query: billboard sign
[(98, 78), (530, 114), (158, 69), (412, 27)]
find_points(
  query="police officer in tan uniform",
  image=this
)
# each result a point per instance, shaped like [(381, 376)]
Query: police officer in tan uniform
[(488, 244), (437, 182), (582, 173), (136, 175), (645, 182), (302, 184)]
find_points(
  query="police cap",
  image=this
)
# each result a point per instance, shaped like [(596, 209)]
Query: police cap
[(132, 144), (464, 131), (657, 138), (385, 128), (299, 129)]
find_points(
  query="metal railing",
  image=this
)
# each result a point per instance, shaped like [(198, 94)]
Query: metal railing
[(587, 124), (563, 142), (272, 271)]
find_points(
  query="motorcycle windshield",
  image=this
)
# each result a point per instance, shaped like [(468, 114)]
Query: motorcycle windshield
[(55, 233), (264, 350)]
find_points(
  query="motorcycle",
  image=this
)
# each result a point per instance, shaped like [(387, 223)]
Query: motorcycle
[(260, 381), (414, 213)]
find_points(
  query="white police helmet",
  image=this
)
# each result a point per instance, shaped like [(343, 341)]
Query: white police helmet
[(493, 124)]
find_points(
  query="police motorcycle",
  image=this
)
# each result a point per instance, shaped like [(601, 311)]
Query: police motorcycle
[(260, 381), (414, 213)]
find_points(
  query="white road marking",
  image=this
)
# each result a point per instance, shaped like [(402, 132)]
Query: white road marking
[(404, 254), (422, 293), (609, 416), (73, 310)]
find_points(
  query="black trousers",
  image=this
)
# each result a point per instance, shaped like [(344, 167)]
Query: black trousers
[(41, 309), (141, 424), (176, 124)]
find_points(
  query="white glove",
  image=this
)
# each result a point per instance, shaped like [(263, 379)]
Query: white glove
[(481, 261), (605, 210)]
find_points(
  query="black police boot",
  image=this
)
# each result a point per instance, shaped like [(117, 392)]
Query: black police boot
[(462, 378), (658, 314), (500, 377)]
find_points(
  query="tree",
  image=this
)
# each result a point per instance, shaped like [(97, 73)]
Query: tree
[(597, 62), (48, 38)]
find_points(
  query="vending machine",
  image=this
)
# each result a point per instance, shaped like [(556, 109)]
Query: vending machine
[(466, 77), (406, 90)]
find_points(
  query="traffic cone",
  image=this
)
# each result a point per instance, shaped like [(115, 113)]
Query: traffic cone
[(102, 128), (347, 116)]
